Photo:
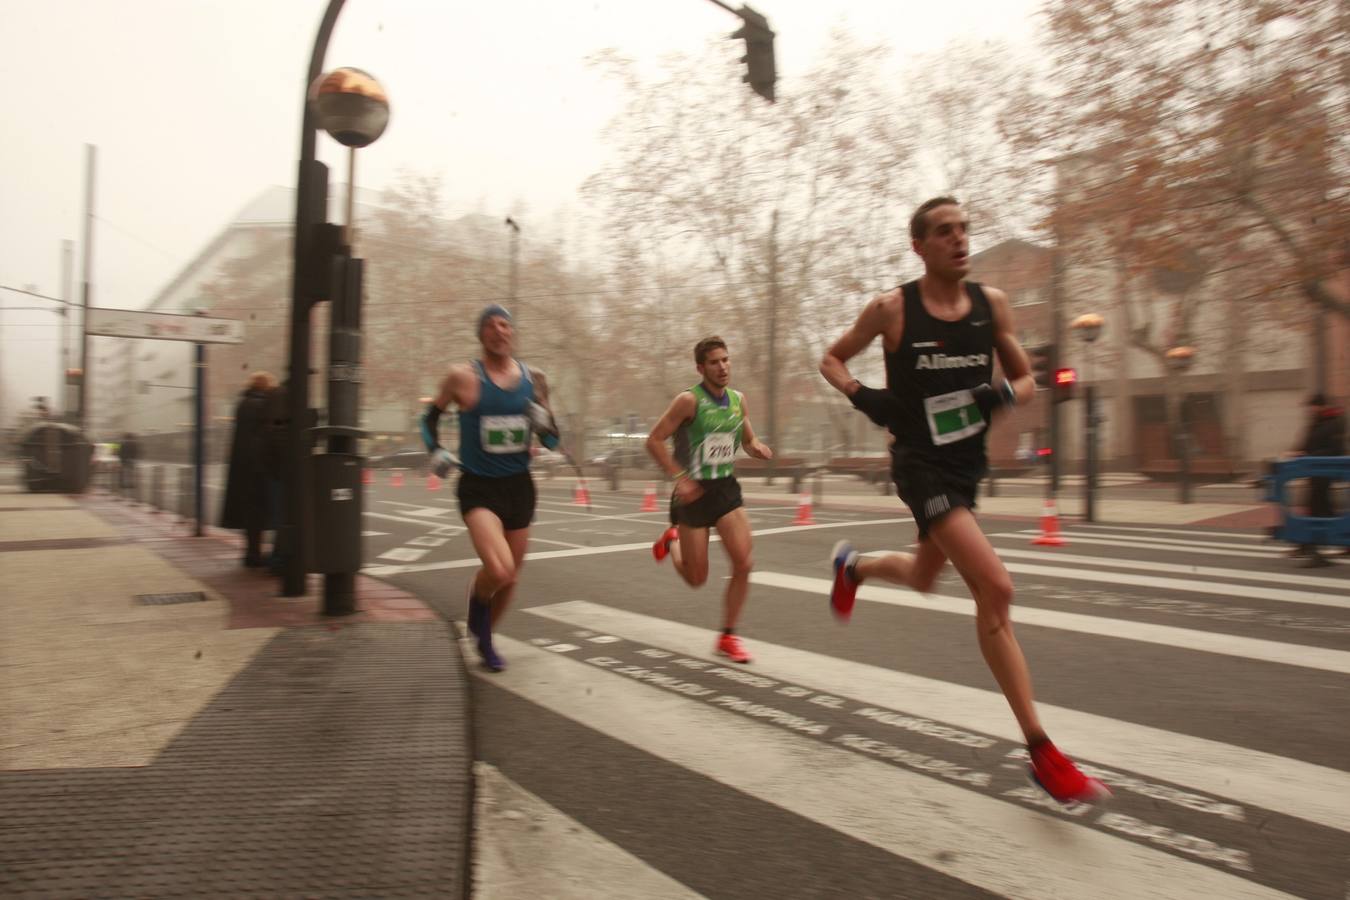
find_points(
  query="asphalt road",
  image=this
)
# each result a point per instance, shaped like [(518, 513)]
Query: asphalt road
[(1202, 673)]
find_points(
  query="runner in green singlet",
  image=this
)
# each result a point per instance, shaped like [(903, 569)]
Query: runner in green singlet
[(709, 423)]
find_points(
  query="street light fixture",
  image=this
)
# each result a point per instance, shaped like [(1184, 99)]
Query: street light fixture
[(1180, 359), (1088, 327)]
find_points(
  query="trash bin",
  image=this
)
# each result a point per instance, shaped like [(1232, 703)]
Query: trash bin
[(337, 513), (56, 459)]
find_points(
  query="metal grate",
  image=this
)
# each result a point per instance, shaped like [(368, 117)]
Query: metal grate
[(166, 599)]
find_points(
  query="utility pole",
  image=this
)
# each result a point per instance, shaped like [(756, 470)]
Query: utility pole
[(774, 298), (67, 288), (82, 414), (513, 277)]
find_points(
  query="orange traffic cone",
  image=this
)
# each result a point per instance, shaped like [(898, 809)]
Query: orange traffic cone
[(649, 498), (804, 510), (582, 495), (433, 483), (1049, 536), (367, 476), (396, 479)]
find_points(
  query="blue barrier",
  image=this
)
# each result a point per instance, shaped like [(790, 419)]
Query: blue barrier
[(1297, 529)]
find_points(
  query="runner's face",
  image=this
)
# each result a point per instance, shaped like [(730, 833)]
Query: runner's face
[(716, 368), (946, 248), (498, 336)]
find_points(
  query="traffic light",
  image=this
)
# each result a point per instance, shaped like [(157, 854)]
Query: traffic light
[(1065, 379), (761, 72), (1042, 364)]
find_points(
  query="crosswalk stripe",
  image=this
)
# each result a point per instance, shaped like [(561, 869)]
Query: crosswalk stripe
[(1124, 629), (1253, 592), (1268, 553), (860, 797), (1192, 532), (1311, 581), (521, 844), (387, 571), (1302, 790)]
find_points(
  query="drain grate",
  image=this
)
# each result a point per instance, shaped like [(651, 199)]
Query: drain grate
[(166, 599)]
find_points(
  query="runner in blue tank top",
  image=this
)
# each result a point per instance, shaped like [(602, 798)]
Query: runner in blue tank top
[(940, 335), (502, 406)]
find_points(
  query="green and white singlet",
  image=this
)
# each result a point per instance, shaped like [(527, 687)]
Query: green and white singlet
[(707, 444)]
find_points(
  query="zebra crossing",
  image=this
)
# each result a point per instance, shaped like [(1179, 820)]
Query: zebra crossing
[(921, 772)]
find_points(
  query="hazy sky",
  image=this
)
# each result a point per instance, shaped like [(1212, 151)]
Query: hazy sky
[(195, 105)]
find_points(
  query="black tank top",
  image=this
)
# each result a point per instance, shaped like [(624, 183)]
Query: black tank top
[(935, 363)]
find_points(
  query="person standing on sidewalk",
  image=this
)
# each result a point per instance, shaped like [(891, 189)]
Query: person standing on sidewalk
[(128, 452), (939, 335), (710, 423), (502, 405), (1325, 437), (246, 493)]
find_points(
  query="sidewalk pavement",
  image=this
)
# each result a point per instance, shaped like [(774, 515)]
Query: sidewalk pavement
[(235, 743)]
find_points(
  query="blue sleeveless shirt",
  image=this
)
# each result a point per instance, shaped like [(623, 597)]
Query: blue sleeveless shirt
[(494, 438)]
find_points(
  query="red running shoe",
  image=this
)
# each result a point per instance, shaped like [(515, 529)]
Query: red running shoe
[(730, 646), (845, 591), (661, 549), (1061, 779)]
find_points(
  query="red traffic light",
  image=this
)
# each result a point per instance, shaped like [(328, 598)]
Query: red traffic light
[(1066, 377)]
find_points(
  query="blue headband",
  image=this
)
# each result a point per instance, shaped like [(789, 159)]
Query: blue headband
[(495, 309)]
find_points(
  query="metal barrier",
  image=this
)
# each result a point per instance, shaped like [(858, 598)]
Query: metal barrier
[(1300, 529)]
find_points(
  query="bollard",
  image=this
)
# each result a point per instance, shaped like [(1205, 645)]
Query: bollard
[(157, 489)]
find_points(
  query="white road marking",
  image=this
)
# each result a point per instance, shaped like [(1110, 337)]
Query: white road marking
[(1302, 790), (403, 554), (1144, 632), (386, 571), (857, 796), (1167, 545)]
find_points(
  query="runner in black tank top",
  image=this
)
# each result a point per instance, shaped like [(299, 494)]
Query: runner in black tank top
[(937, 358), (938, 403)]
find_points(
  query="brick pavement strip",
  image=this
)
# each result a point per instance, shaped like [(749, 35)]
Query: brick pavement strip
[(331, 762)]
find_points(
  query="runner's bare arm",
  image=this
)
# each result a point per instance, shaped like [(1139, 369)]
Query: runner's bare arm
[(870, 323), (1011, 356), (752, 444), (681, 410)]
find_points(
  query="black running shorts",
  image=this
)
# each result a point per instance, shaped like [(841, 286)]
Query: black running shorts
[(720, 496), (510, 498), (931, 491)]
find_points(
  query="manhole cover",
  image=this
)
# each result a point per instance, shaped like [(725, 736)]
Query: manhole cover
[(166, 599)]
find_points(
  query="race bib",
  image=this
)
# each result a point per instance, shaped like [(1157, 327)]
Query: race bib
[(504, 434), (719, 448), (952, 417)]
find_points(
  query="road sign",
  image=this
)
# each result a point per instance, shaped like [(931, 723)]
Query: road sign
[(129, 323)]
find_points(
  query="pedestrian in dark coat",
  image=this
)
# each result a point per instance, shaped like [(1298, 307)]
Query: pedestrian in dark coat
[(1325, 437), (247, 505)]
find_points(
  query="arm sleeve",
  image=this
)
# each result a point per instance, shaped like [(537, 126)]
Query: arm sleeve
[(431, 421)]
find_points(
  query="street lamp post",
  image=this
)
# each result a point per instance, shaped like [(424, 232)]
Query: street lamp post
[(1089, 327), (513, 278), (1179, 360)]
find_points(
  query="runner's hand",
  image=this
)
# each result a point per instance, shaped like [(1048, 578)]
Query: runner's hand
[(877, 404), (442, 461), (992, 400), (687, 490), (543, 424)]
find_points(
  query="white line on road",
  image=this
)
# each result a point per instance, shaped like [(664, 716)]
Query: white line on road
[(1125, 629), (1311, 581), (1303, 790), (1192, 532), (1169, 545), (388, 571), (404, 554), (858, 796)]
